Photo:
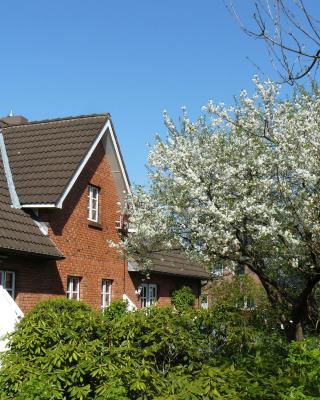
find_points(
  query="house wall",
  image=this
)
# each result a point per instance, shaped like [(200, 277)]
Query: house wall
[(166, 284), (35, 279), (85, 246)]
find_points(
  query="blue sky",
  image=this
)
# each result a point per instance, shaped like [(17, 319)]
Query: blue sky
[(131, 58)]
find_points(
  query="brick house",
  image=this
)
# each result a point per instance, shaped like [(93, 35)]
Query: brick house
[(62, 185)]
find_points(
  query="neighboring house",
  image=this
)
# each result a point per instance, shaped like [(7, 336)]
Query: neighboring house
[(63, 183)]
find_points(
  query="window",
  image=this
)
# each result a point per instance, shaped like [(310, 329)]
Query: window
[(239, 270), (148, 294), (249, 303), (73, 291), (218, 272), (93, 203), (105, 293), (246, 304), (7, 281)]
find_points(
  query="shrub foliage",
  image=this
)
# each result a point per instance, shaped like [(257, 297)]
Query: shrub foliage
[(183, 298), (63, 349)]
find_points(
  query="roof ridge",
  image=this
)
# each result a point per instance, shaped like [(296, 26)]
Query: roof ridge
[(67, 118)]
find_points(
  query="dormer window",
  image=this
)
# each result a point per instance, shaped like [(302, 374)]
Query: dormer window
[(93, 203)]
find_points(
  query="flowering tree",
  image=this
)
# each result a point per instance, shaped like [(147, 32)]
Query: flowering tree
[(241, 187)]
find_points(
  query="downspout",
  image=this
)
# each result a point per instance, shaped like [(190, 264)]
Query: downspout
[(124, 275)]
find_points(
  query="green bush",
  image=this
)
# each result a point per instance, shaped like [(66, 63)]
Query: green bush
[(183, 298), (52, 349), (63, 349), (116, 310)]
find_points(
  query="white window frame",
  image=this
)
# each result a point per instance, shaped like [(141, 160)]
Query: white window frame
[(11, 290), (93, 203), (73, 288), (219, 271), (249, 303), (148, 294), (106, 293)]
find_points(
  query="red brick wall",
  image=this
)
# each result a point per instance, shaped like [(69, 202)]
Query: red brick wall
[(86, 248), (35, 279), (166, 284)]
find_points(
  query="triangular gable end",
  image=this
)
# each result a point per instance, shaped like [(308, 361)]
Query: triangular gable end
[(118, 168)]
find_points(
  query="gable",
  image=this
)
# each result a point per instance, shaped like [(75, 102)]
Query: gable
[(118, 169), (113, 154)]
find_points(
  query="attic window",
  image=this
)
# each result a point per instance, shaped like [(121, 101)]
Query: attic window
[(93, 203)]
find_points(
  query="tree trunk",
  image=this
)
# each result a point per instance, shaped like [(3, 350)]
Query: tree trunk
[(293, 312), (294, 331), (298, 332)]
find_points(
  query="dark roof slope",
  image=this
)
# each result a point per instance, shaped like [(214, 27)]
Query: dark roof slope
[(176, 263), (18, 232), (44, 155)]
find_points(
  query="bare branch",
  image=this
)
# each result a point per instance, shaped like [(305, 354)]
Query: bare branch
[(291, 34)]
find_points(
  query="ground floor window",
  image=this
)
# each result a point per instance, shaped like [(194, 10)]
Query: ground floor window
[(249, 303), (73, 290), (148, 294), (106, 293), (7, 281)]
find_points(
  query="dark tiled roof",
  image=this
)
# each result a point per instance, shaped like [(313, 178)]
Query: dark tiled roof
[(44, 155), (18, 232), (176, 263)]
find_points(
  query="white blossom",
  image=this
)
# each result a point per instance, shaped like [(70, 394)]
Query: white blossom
[(242, 182)]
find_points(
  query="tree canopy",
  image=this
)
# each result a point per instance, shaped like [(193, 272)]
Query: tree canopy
[(240, 187)]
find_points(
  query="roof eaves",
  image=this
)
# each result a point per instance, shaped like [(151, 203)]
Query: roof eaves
[(133, 266), (25, 253), (39, 205)]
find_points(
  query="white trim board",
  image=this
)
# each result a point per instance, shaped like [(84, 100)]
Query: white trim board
[(7, 170), (38, 205), (116, 147)]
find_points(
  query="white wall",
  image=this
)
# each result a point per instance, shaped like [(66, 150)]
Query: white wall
[(10, 314)]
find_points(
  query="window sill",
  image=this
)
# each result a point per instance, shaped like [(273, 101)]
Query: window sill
[(95, 225)]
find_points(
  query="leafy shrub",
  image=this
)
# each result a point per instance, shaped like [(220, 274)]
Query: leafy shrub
[(183, 298), (52, 349), (304, 361), (63, 349), (233, 293), (116, 310)]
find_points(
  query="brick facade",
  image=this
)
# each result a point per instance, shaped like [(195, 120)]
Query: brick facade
[(86, 248)]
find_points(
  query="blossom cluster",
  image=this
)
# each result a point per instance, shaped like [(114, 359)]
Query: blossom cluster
[(239, 185)]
